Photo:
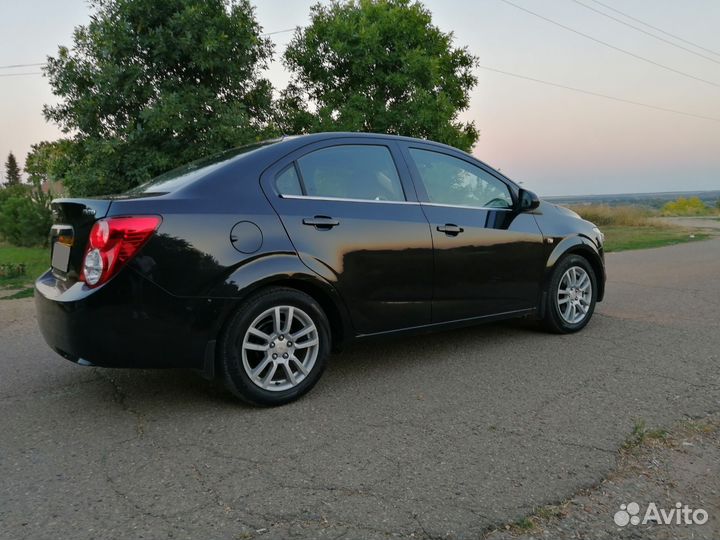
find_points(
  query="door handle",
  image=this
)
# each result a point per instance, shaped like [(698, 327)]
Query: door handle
[(450, 229), (321, 222)]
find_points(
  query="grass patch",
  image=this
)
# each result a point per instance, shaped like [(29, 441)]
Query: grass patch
[(621, 238), (694, 426), (523, 525), (550, 512), (533, 524), (35, 259), (22, 293), (641, 435)]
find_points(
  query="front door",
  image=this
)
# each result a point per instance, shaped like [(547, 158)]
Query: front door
[(488, 257), (354, 219)]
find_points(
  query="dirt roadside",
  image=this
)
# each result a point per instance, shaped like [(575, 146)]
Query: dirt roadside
[(654, 466)]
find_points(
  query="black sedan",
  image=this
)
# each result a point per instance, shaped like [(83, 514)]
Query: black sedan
[(256, 263)]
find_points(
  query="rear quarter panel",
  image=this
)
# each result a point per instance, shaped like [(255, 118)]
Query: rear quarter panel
[(191, 254)]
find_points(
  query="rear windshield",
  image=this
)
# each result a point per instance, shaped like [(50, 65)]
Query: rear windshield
[(186, 174)]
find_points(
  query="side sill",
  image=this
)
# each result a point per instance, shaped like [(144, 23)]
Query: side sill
[(458, 323)]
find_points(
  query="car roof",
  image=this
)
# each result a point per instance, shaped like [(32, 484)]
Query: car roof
[(302, 140), (289, 143)]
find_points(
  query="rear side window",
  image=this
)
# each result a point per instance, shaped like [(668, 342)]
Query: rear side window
[(287, 181), (452, 181), (364, 172)]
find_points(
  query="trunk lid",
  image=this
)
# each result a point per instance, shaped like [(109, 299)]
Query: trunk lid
[(73, 219)]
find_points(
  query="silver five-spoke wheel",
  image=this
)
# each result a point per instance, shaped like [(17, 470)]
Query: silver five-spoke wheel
[(574, 295), (280, 348)]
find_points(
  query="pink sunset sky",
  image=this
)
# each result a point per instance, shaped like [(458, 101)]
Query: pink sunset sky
[(555, 141)]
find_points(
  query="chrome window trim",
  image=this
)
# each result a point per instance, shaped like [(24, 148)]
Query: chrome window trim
[(466, 206), (341, 199)]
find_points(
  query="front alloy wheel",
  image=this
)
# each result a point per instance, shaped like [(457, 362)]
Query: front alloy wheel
[(571, 295), (574, 295)]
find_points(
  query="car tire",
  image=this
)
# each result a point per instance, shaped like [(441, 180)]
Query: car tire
[(260, 360), (571, 295)]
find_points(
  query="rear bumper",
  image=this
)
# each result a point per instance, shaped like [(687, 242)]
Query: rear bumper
[(128, 322)]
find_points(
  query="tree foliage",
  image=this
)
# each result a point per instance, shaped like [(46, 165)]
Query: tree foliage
[(151, 84), (48, 162), (377, 65), (25, 216), (12, 171)]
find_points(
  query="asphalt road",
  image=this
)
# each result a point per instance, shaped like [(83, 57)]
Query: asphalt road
[(439, 435), (693, 222)]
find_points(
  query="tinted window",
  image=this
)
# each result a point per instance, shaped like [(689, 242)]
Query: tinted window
[(450, 180), (287, 182), (352, 172)]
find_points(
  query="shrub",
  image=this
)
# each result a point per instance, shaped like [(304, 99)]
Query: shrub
[(692, 206), (12, 270), (605, 215), (25, 216)]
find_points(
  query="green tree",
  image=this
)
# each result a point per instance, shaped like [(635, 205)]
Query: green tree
[(377, 65), (48, 162), (12, 171), (151, 84)]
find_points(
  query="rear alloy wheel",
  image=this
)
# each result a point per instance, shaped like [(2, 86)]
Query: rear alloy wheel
[(274, 349), (571, 295), (280, 348)]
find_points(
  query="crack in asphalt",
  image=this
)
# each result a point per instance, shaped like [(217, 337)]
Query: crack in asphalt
[(666, 377), (210, 491), (120, 397), (58, 391), (560, 442)]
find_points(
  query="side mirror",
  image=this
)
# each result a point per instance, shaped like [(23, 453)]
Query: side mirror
[(527, 200)]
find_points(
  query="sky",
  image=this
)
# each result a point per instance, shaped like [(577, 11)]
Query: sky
[(553, 140)]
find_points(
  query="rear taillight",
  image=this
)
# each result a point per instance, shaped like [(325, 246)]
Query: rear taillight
[(113, 242)]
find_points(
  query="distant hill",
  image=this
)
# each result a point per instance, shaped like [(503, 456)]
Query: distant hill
[(653, 200)]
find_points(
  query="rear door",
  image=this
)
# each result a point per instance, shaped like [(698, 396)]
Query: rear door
[(489, 258), (353, 216)]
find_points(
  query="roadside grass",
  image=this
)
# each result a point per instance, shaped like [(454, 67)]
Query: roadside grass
[(634, 227), (621, 238), (27, 292), (604, 215), (641, 435), (534, 523), (35, 260)]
